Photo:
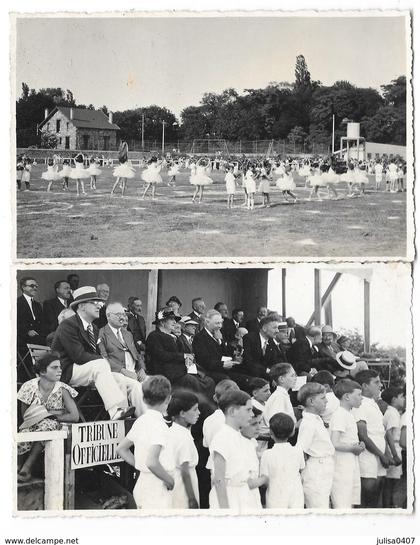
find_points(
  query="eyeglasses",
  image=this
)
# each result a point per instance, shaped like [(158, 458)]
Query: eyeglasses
[(31, 285), (119, 314)]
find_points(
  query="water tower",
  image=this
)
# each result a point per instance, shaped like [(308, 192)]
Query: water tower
[(353, 145)]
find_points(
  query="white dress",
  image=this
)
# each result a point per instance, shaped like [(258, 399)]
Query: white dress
[(184, 450), (361, 176), (316, 179), (230, 183), (331, 177), (94, 170), (152, 174), (124, 170), (392, 172), (79, 172), (349, 176), (174, 170), (200, 177), (286, 183), (50, 174), (305, 171), (249, 182), (65, 172)]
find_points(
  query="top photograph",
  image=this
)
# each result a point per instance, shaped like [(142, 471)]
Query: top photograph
[(213, 136)]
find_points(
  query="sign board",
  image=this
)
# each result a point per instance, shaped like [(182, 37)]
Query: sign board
[(95, 443)]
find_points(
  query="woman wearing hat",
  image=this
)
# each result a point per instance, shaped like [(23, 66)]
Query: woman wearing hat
[(174, 304), (45, 403)]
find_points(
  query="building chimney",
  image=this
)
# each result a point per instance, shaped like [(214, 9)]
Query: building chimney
[(46, 113), (110, 117), (71, 113)]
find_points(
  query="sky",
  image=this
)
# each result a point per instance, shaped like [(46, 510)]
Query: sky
[(389, 305), (131, 62)]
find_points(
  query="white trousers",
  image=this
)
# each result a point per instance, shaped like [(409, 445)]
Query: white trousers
[(133, 391), (317, 480), (345, 491), (98, 373)]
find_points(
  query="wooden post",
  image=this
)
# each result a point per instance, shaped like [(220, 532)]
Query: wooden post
[(152, 296), (324, 298), (283, 293), (328, 312), (54, 475), (366, 321), (69, 475), (317, 296)]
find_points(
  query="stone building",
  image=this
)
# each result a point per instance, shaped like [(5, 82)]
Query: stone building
[(80, 129)]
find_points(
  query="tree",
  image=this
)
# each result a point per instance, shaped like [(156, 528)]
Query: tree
[(302, 74), (395, 93), (386, 126)]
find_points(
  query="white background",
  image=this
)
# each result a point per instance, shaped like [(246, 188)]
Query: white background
[(302, 529)]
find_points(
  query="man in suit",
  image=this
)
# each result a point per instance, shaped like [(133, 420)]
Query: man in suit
[(30, 320), (281, 340), (296, 331), (231, 325), (328, 348), (198, 310), (53, 307), (188, 330), (73, 280), (117, 346), (253, 326), (76, 342), (260, 350), (304, 354), (211, 354), (136, 323), (103, 293)]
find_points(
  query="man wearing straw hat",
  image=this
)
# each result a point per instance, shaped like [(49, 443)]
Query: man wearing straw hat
[(76, 341)]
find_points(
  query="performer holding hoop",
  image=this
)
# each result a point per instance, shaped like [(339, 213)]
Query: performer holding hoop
[(124, 170), (200, 179)]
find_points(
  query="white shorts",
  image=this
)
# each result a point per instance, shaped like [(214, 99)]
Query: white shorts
[(151, 493), (346, 483), (370, 466), (317, 480)]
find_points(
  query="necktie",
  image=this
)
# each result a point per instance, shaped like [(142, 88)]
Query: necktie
[(32, 308), (91, 336), (121, 339), (264, 347)]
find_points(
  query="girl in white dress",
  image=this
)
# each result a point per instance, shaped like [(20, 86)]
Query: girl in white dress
[(330, 178), (94, 171), (79, 173), (50, 174), (26, 175), (392, 175), (350, 178), (124, 170), (230, 185), (250, 186), (378, 175), (305, 171), (287, 184), (184, 412), (200, 179), (172, 172), (152, 176), (65, 174), (315, 182), (264, 186)]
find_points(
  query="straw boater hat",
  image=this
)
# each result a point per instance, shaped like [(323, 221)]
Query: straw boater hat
[(83, 295), (165, 314), (346, 359), (187, 320)]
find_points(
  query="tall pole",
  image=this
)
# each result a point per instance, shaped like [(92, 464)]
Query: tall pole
[(142, 131), (333, 134), (317, 297), (163, 137), (366, 316)]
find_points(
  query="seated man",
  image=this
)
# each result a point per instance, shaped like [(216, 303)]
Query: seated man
[(136, 323), (30, 320), (230, 325), (328, 348), (116, 345), (163, 356), (296, 331), (53, 307), (304, 354), (281, 340), (260, 350), (76, 340), (198, 310), (254, 324)]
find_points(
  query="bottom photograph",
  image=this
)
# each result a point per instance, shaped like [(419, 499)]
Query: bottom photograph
[(236, 390)]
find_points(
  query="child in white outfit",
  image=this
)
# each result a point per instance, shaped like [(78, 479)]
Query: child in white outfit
[(281, 466), (152, 456), (283, 377)]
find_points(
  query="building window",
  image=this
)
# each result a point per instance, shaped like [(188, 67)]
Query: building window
[(59, 140), (67, 125), (106, 142), (57, 125), (85, 141)]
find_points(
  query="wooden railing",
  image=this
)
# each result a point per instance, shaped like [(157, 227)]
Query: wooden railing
[(54, 465)]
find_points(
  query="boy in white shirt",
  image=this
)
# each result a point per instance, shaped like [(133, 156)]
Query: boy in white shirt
[(392, 420), (215, 421), (314, 440), (152, 455), (374, 460), (326, 379), (283, 377), (345, 491), (281, 466)]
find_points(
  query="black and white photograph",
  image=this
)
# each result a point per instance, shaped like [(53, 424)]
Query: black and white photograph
[(252, 137), (238, 391)]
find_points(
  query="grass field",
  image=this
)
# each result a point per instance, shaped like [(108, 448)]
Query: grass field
[(59, 224)]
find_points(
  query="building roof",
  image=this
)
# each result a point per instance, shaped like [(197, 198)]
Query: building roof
[(84, 118)]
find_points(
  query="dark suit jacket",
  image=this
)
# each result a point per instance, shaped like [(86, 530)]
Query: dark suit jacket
[(303, 357), (163, 356), (71, 341), (137, 326), (198, 319), (208, 353), (102, 320), (52, 309), (228, 330), (329, 357), (298, 333), (26, 322), (184, 344), (253, 326), (111, 348), (254, 363)]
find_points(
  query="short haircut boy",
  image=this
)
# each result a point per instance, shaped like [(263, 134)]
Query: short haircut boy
[(257, 383), (308, 390), (390, 393), (224, 386), (324, 377), (279, 370), (364, 377), (156, 390), (233, 398), (346, 386), (281, 426)]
